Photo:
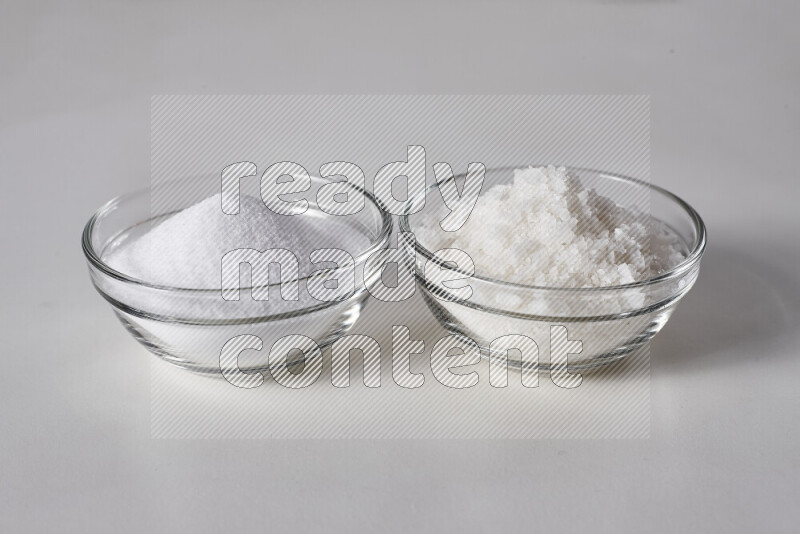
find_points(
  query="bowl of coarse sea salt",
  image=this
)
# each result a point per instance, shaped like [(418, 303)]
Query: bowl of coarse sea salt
[(157, 256), (605, 256)]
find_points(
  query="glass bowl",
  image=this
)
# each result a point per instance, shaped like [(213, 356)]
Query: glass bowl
[(188, 326), (610, 322)]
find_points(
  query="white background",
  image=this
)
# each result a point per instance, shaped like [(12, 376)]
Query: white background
[(75, 447)]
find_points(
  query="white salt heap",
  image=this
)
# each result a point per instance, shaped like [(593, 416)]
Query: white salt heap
[(546, 229), (186, 249)]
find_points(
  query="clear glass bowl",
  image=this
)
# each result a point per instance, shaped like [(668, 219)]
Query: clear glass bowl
[(611, 322), (188, 326)]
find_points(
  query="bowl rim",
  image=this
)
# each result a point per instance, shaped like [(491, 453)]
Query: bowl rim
[(692, 258), (94, 259)]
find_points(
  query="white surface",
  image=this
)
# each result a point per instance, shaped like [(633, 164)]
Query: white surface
[(75, 447)]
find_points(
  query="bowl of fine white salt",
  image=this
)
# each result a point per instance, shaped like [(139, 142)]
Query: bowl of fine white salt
[(158, 257), (605, 256)]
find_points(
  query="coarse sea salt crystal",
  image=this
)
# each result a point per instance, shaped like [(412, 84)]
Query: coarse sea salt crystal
[(546, 229)]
